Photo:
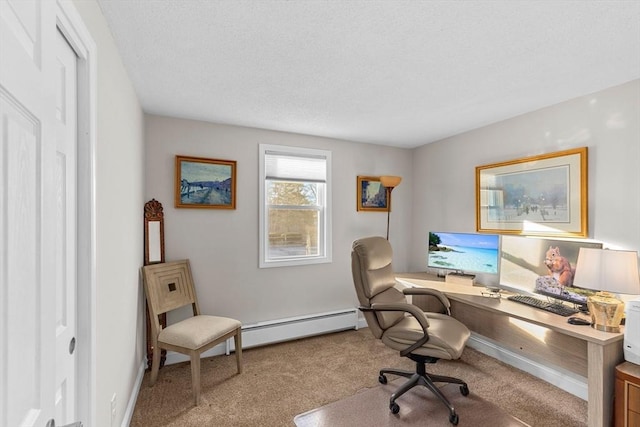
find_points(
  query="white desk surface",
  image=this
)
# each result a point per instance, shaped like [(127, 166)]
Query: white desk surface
[(472, 295)]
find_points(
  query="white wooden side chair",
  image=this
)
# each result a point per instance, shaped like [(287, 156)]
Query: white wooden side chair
[(169, 286)]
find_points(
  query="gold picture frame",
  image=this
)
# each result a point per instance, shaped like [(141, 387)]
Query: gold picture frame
[(542, 195), (371, 195), (205, 183)]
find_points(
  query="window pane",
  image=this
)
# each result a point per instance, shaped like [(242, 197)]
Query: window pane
[(295, 206), (292, 193), (293, 232)]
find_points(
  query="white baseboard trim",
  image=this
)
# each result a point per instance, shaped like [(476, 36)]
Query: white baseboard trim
[(131, 404), (362, 323), (566, 380)]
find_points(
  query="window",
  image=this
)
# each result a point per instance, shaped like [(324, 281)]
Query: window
[(295, 215)]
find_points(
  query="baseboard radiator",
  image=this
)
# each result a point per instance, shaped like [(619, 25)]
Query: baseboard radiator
[(279, 330)]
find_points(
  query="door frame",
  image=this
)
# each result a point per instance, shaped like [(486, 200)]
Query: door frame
[(72, 27)]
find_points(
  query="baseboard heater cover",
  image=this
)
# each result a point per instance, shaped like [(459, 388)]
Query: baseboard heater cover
[(280, 330)]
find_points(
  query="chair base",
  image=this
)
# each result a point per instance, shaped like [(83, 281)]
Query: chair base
[(421, 378)]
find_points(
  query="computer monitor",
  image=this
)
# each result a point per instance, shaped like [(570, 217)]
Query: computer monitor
[(543, 266), (465, 253)]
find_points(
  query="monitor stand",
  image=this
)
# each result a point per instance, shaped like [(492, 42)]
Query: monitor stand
[(460, 278)]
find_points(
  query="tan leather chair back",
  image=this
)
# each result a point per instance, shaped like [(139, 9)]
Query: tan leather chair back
[(375, 282)]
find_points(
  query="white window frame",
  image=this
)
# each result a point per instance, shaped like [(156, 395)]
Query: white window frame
[(325, 225)]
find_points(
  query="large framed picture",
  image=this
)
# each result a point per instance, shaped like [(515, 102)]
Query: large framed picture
[(205, 183), (541, 195), (371, 194)]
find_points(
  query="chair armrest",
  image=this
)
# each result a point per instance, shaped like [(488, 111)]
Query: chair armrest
[(411, 309), (431, 292)]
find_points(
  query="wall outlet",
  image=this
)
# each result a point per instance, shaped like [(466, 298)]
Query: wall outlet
[(113, 410)]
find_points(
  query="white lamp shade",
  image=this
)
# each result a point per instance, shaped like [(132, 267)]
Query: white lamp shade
[(608, 270)]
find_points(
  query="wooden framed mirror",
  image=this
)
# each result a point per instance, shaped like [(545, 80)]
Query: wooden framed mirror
[(153, 232), (153, 254)]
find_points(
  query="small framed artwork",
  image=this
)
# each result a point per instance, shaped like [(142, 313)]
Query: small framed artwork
[(205, 183), (371, 194), (541, 195)]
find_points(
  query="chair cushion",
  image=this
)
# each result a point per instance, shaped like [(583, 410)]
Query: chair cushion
[(447, 336), (196, 331)]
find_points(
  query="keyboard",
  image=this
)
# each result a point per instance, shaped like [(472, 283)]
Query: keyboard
[(555, 308)]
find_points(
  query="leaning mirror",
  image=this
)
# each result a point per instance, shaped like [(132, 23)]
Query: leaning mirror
[(154, 253), (153, 232)]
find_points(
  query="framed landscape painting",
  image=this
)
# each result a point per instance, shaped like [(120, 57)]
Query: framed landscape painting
[(205, 183), (371, 194), (539, 195)]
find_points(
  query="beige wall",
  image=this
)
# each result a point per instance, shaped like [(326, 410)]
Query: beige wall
[(119, 202), (607, 122), (223, 244), (437, 193)]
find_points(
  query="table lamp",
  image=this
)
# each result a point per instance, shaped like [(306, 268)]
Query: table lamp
[(609, 272), (389, 182)]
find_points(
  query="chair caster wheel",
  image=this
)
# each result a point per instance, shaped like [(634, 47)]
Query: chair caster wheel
[(453, 419), (464, 389), (382, 379), (395, 408)]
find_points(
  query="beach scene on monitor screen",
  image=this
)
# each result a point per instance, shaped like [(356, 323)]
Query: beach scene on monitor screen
[(463, 252)]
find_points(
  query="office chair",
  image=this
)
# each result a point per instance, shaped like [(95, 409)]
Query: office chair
[(169, 286), (422, 337)]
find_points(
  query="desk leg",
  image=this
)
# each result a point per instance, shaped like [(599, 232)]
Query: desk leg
[(602, 361)]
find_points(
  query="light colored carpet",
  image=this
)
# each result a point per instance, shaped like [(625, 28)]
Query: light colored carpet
[(418, 407), (283, 380)]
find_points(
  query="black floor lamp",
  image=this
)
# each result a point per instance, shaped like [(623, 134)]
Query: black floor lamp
[(389, 182)]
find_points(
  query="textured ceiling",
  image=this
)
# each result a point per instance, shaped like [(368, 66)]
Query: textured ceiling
[(400, 73)]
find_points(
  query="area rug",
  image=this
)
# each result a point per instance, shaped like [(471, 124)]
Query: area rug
[(418, 407)]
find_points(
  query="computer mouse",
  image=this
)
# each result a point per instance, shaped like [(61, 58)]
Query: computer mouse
[(578, 321)]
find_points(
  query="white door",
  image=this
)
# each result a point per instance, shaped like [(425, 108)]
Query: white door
[(65, 215), (36, 219)]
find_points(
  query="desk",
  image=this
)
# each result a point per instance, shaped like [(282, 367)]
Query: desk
[(581, 349)]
